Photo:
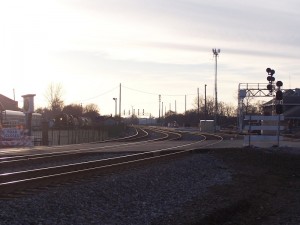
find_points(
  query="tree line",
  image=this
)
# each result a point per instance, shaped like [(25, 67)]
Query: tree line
[(202, 109), (56, 106)]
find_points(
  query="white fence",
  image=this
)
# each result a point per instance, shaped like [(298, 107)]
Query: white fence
[(269, 127)]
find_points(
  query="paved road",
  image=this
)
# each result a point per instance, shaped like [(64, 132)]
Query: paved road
[(288, 146), (237, 141)]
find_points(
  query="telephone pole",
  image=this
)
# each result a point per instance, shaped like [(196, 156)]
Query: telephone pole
[(216, 53), (159, 100), (120, 102), (205, 109)]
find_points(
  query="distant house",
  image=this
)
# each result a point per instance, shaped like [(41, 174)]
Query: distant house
[(8, 104), (291, 107)]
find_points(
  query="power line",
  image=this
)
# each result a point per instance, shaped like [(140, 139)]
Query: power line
[(104, 93), (152, 93)]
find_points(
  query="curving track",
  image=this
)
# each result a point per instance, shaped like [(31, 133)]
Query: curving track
[(47, 166)]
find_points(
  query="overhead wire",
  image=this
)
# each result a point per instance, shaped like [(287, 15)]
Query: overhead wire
[(104, 93), (151, 93), (132, 89)]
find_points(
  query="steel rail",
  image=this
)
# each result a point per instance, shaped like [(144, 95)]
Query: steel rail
[(3, 176), (38, 156), (18, 181), (36, 160), (70, 145)]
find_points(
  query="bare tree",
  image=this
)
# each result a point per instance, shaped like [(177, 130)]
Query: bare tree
[(54, 98), (252, 107), (209, 105), (91, 108), (230, 110), (91, 111), (224, 109)]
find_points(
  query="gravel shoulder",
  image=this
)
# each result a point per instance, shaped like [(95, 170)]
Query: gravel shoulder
[(217, 186), (265, 188)]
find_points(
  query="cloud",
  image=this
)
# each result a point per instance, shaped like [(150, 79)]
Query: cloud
[(156, 45)]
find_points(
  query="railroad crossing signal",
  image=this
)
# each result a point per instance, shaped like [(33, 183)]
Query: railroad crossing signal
[(270, 78), (279, 98), (279, 94)]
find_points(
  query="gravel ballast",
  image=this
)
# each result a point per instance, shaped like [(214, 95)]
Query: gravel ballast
[(153, 194)]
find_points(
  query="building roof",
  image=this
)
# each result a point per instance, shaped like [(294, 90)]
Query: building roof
[(291, 103), (293, 113), (287, 100), (291, 100), (7, 103)]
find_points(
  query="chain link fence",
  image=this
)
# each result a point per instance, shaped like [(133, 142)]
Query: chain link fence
[(68, 135)]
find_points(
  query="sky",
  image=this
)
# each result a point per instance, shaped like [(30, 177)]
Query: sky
[(149, 47)]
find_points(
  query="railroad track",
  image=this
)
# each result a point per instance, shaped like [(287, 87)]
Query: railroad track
[(13, 183), (77, 151)]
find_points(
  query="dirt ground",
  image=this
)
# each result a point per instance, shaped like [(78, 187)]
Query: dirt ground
[(265, 190)]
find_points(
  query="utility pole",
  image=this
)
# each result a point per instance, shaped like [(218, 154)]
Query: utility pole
[(115, 99), (120, 101), (185, 104), (159, 100), (216, 53), (198, 102), (205, 109)]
